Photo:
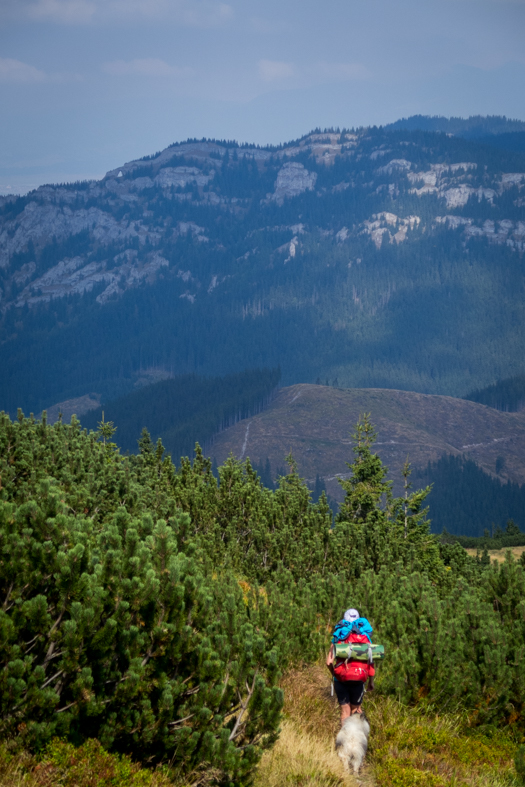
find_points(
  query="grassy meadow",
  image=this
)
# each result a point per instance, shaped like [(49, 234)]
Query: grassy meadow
[(499, 554)]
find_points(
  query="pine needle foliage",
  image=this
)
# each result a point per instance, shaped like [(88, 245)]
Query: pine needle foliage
[(155, 608), (112, 626)]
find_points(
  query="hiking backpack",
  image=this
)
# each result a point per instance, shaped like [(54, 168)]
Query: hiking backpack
[(349, 668), (352, 669)]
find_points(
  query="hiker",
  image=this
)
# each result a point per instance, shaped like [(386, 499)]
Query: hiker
[(350, 676)]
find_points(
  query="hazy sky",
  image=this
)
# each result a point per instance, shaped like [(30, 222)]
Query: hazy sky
[(86, 85)]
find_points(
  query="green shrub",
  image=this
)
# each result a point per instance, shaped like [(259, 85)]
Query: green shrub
[(154, 608), (396, 773), (519, 763), (118, 633), (89, 765)]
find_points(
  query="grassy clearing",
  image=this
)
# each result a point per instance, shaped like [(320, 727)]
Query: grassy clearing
[(409, 747), (499, 554)]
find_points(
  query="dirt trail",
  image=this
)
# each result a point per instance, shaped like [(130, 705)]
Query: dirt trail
[(305, 752)]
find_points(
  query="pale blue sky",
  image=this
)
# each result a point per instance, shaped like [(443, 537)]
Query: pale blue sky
[(88, 84)]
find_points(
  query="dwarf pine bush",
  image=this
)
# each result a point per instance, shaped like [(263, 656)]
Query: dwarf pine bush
[(154, 608)]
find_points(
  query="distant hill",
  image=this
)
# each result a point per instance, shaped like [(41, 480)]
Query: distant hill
[(315, 423), (371, 258)]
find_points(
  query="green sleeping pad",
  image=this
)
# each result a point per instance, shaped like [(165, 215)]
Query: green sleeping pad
[(358, 651)]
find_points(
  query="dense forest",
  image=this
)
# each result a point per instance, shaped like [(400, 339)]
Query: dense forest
[(497, 538), (185, 410), (467, 501), (507, 395), (155, 608), (475, 126), (329, 265)]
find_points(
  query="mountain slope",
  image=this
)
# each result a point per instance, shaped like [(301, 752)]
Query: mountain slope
[(316, 422), (185, 410), (372, 258)]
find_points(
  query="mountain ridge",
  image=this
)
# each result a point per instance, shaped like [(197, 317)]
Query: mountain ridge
[(373, 258), (475, 126)]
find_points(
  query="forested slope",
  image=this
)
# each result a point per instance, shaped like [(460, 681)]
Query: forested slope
[(373, 257), (468, 502), (507, 395)]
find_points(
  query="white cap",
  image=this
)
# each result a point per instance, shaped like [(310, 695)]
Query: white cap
[(351, 615)]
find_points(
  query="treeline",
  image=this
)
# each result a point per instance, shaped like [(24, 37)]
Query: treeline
[(186, 409), (472, 127), (498, 538), (507, 395), (467, 501), (154, 608)]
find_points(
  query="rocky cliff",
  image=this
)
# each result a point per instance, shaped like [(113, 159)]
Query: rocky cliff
[(117, 210)]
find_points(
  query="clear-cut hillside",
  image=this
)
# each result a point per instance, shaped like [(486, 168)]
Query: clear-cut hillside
[(316, 422)]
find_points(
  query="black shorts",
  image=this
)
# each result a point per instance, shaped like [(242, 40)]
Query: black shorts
[(349, 692)]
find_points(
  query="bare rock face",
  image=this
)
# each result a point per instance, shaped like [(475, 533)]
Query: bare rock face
[(130, 274), (399, 164), (74, 277), (133, 227), (39, 223), (181, 176), (505, 231), (378, 227), (451, 182), (293, 178)]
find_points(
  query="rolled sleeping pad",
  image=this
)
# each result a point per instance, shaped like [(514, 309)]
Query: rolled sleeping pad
[(358, 651)]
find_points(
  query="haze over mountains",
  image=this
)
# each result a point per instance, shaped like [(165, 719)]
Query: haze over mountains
[(369, 257)]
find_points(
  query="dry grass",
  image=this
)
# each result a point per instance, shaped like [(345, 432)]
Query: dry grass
[(304, 755), (499, 554), (301, 760), (12, 774), (408, 747), (411, 747)]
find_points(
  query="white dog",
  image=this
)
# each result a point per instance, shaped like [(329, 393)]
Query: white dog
[(352, 741)]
